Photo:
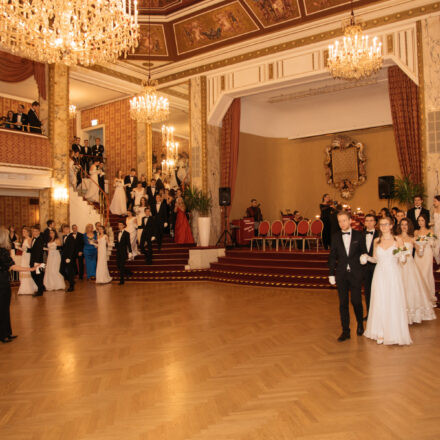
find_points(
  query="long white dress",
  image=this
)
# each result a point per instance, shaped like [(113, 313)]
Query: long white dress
[(92, 193), (436, 218), (425, 265), (53, 280), (387, 317), (140, 214), (418, 300), (132, 229), (138, 194), (27, 284), (102, 273), (118, 205)]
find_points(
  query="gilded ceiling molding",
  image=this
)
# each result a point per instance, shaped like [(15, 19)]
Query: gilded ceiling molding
[(301, 42)]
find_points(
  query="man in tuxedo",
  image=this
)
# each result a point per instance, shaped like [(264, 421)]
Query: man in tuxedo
[(32, 118), (68, 254), (101, 175), (414, 213), (160, 213), (151, 192), (346, 271), (370, 234), (123, 250), (148, 235), (79, 252), (130, 183), (98, 149), (159, 181), (76, 145), (36, 251), (20, 119), (86, 156), (46, 234), (171, 204)]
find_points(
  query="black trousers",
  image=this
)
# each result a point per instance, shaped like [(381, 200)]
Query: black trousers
[(38, 278), (69, 273), (149, 251), (5, 303), (326, 234), (79, 266), (348, 282), (123, 272), (368, 278)]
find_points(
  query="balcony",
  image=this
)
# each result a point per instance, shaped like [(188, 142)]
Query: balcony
[(20, 148)]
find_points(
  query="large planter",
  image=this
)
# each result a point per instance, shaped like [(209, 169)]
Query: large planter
[(204, 224)]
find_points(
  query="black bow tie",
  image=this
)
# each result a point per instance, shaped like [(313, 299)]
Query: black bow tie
[(369, 232), (346, 233)]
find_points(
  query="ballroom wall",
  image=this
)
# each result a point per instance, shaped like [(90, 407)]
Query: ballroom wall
[(7, 104), (290, 174), (18, 211)]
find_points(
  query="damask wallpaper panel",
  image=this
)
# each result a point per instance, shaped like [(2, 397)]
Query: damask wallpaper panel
[(18, 211)]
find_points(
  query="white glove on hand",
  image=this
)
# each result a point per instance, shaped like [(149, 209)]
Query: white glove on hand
[(165, 225), (39, 268), (363, 259), (67, 260), (332, 280), (153, 238), (130, 255)]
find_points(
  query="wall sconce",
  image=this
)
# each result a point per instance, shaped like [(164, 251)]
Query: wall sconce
[(60, 194)]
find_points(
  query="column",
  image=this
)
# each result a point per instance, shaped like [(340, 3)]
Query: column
[(141, 145), (204, 152), (59, 127)]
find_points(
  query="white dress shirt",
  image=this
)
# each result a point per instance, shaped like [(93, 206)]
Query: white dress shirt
[(369, 240), (346, 238), (417, 211)]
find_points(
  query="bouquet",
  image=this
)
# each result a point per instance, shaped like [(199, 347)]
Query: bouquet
[(401, 253)]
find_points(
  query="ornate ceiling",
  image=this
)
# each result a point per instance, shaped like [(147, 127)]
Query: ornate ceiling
[(184, 28)]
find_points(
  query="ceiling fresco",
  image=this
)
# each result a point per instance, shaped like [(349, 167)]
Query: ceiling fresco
[(209, 26)]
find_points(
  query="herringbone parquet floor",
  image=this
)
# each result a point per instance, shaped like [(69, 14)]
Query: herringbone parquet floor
[(205, 361)]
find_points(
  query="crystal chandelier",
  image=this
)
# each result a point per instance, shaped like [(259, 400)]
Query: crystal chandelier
[(72, 111), (172, 149), (69, 31), (149, 106), (355, 58)]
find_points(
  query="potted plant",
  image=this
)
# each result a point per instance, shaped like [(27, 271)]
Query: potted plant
[(200, 202), (405, 190)]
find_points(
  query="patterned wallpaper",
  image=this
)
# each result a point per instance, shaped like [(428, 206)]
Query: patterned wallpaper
[(120, 135), (18, 211), (24, 149), (7, 104)]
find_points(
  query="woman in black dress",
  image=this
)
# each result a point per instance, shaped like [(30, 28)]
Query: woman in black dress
[(325, 208), (7, 264)]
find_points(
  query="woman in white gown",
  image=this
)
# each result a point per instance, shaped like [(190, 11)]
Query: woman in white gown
[(53, 280), (92, 193), (424, 254), (131, 223), (118, 206), (387, 318), (27, 284), (102, 273), (435, 221), (140, 214), (138, 194), (418, 301)]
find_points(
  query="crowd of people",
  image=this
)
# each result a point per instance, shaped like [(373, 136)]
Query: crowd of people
[(392, 259), (21, 120)]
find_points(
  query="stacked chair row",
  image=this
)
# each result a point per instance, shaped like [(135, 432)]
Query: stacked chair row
[(288, 233)]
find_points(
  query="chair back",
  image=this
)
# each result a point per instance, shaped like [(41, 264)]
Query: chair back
[(277, 228), (316, 228), (289, 228), (263, 228), (303, 227)]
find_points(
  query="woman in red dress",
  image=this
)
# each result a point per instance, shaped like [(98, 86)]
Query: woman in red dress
[(182, 230)]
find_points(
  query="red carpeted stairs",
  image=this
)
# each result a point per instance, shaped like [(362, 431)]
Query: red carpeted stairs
[(168, 264)]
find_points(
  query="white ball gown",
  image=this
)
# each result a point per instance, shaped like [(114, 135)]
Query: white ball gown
[(53, 280), (102, 273), (418, 299), (92, 193), (140, 214), (132, 230), (27, 284), (118, 206), (425, 265), (387, 318)]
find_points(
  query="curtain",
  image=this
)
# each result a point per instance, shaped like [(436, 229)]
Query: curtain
[(405, 113), (230, 136), (16, 69)]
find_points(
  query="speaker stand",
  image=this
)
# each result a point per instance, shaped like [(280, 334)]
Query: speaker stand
[(225, 234)]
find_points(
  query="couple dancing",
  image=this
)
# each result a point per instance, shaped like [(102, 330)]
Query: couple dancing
[(387, 317)]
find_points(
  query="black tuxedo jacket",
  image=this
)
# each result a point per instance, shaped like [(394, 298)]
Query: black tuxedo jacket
[(162, 214), (131, 186), (24, 121), (76, 148), (34, 122), (148, 227), (98, 150), (36, 250), (123, 246), (159, 184), (79, 242), (369, 265), (152, 195), (411, 214), (68, 248), (86, 151), (338, 258)]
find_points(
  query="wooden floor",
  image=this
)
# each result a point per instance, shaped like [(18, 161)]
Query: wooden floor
[(206, 361)]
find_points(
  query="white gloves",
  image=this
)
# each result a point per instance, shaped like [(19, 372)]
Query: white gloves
[(67, 260), (363, 259), (165, 225), (153, 238), (39, 268), (332, 280), (130, 255)]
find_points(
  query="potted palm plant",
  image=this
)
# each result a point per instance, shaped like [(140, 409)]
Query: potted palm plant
[(405, 190), (200, 203)]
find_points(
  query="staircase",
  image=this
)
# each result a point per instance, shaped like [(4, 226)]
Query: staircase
[(82, 212), (168, 264)]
